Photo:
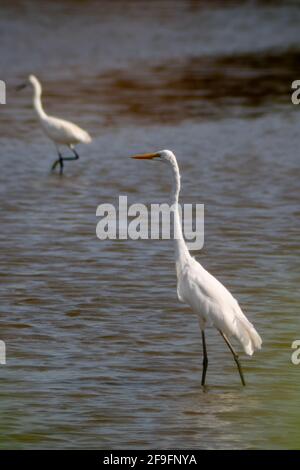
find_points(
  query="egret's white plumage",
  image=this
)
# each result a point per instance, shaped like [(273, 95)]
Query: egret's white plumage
[(61, 132), (214, 304), (208, 298)]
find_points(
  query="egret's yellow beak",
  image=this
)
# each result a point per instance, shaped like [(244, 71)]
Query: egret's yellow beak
[(146, 156)]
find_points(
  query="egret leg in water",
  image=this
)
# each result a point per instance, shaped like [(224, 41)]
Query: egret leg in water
[(235, 356), (76, 156), (59, 162), (61, 159), (205, 358)]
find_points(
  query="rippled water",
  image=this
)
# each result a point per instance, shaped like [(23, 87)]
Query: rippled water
[(100, 354)]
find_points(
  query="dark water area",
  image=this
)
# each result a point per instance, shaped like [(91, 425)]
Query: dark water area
[(201, 88), (100, 353)]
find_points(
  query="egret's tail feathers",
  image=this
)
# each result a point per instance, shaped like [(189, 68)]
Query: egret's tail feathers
[(86, 138), (248, 336)]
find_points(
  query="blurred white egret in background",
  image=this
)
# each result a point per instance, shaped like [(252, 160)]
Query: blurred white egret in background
[(61, 132), (208, 298)]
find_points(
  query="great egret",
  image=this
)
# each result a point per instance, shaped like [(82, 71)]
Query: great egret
[(208, 298), (61, 132)]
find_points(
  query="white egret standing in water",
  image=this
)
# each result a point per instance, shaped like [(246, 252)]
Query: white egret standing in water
[(61, 132), (208, 298)]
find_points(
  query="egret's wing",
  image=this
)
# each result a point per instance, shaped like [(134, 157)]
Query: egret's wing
[(61, 129), (210, 299)]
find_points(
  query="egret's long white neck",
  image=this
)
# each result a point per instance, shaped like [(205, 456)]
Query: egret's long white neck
[(181, 250), (37, 103)]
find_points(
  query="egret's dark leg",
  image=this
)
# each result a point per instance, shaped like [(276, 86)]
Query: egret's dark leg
[(205, 359), (75, 153), (59, 162), (55, 164), (76, 156), (235, 356)]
